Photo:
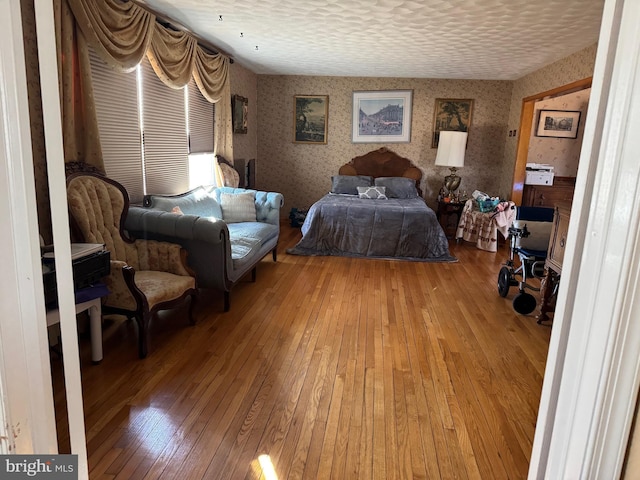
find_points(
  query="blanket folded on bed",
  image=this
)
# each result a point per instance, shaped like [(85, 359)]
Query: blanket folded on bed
[(346, 225)]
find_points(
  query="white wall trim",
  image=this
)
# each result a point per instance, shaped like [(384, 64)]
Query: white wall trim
[(27, 397), (51, 113), (591, 381)]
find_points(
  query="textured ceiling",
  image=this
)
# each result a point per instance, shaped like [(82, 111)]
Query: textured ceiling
[(472, 39)]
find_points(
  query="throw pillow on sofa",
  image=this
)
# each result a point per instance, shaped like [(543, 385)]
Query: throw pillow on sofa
[(238, 207)]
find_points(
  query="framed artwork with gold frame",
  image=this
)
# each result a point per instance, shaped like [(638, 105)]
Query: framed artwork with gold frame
[(310, 118), (239, 113), (451, 114)]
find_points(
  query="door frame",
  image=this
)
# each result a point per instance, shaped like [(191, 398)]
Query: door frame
[(526, 125), (593, 368)]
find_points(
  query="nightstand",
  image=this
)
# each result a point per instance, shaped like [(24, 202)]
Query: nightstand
[(448, 215)]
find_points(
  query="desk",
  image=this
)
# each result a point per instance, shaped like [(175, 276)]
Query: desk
[(482, 228)]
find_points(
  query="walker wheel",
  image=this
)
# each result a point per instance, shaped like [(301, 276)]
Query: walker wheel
[(524, 303), (504, 281)]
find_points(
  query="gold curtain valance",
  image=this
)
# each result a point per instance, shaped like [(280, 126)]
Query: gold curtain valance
[(210, 74), (122, 32), (172, 55)]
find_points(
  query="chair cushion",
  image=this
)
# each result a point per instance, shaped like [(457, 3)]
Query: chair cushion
[(258, 230), (162, 286), (244, 247)]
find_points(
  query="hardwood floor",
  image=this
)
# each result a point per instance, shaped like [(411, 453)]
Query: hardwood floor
[(326, 367)]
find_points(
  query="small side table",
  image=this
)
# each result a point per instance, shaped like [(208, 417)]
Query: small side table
[(87, 299), (448, 215)]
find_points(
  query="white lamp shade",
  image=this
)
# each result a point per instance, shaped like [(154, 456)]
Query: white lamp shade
[(451, 148)]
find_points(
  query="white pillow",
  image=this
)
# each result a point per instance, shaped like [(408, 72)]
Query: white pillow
[(539, 234), (238, 207)]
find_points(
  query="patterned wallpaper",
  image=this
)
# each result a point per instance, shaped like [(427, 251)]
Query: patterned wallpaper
[(302, 172), (562, 153), (245, 83), (35, 114), (567, 70)]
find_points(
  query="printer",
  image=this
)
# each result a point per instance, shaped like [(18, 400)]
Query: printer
[(90, 263), (539, 174)]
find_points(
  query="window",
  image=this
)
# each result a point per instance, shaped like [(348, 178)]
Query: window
[(200, 115), (148, 131)]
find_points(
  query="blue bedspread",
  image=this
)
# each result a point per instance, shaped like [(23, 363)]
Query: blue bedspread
[(346, 225)]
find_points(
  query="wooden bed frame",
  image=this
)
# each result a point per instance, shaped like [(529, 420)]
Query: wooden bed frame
[(383, 163)]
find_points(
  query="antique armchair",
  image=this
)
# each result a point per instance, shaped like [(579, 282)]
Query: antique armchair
[(146, 276)]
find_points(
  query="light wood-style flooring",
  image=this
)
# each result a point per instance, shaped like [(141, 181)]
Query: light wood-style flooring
[(326, 367)]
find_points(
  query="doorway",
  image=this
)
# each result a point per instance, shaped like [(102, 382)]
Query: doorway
[(526, 126)]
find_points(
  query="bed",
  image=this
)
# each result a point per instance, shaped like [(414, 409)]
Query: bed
[(375, 210)]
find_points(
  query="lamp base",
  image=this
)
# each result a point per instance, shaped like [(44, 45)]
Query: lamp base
[(452, 181)]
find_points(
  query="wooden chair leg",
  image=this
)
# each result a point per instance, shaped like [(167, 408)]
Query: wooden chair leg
[(143, 327), (227, 301), (194, 298)]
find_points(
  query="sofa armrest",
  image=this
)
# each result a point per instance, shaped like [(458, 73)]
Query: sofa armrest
[(206, 240), (171, 225), (268, 206)]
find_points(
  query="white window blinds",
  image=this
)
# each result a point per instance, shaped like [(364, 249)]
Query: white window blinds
[(164, 126), (116, 100), (201, 114)]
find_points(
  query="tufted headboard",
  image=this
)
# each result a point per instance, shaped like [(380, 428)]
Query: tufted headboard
[(383, 163)]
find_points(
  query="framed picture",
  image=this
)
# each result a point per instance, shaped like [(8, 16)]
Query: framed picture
[(558, 123), (451, 114), (382, 116), (310, 117), (239, 111)]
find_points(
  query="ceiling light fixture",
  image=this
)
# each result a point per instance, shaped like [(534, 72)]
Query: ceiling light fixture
[(256, 47), (219, 18), (241, 35)]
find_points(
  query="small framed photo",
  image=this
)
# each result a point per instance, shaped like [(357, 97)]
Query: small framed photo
[(239, 113), (558, 123), (382, 116), (310, 118), (451, 114)]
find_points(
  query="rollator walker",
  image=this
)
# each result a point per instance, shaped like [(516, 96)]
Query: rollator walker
[(529, 240)]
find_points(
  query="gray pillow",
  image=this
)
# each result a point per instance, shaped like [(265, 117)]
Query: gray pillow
[(398, 187), (349, 183)]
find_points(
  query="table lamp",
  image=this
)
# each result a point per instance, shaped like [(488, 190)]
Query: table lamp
[(451, 148)]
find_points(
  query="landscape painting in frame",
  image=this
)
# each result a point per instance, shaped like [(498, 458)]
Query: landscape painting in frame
[(311, 113), (558, 123), (382, 116), (451, 114)]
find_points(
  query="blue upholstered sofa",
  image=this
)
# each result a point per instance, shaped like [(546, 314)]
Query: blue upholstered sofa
[(226, 231)]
